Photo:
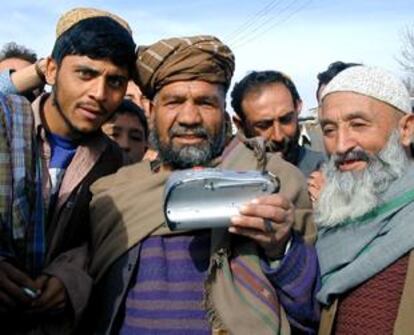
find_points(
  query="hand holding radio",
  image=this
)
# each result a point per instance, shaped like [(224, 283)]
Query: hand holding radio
[(267, 220)]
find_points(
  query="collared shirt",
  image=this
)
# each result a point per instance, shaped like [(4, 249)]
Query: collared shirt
[(87, 154)]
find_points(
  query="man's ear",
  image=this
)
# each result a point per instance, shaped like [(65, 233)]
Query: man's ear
[(151, 112), (51, 71), (299, 105), (238, 123), (406, 127)]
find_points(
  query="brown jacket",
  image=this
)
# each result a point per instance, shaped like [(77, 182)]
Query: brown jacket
[(115, 207), (128, 206), (404, 324), (67, 230)]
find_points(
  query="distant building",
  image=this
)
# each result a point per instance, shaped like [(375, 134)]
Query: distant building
[(310, 131)]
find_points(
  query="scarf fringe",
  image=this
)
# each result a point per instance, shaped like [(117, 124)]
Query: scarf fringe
[(213, 317)]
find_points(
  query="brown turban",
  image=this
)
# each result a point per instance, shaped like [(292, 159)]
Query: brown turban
[(188, 58)]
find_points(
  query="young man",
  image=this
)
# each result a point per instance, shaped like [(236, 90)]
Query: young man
[(268, 104), (150, 281), (365, 209), (44, 284), (129, 128)]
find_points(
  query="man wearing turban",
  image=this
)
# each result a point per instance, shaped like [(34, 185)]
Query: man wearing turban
[(244, 279)]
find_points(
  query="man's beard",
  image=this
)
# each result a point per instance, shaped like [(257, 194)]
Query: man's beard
[(348, 195), (187, 156), (55, 101), (288, 147)]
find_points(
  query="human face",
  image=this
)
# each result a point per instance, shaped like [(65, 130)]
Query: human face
[(86, 92), (126, 129), (14, 64), (271, 113), (351, 194), (355, 123), (188, 120)]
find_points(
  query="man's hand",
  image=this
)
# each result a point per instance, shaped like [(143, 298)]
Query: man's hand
[(53, 295), (316, 181), (268, 221), (12, 285)]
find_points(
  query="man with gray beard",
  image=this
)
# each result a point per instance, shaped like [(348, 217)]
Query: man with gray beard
[(365, 211)]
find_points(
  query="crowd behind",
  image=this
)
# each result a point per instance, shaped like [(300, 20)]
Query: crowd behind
[(90, 135)]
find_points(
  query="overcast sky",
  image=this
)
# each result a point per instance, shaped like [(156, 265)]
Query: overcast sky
[(298, 37)]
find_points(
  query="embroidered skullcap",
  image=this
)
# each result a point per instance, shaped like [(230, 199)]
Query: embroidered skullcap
[(372, 82), (179, 59), (74, 16)]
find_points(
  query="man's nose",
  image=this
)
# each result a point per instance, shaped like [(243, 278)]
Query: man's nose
[(98, 89), (276, 134), (189, 114), (124, 142), (345, 141)]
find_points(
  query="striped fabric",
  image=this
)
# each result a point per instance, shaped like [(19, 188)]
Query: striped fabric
[(297, 280), (167, 297), (188, 58), (21, 203)]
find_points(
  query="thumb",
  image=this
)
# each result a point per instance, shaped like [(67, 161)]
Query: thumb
[(41, 281)]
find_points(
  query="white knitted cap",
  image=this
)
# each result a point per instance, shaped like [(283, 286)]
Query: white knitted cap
[(372, 82)]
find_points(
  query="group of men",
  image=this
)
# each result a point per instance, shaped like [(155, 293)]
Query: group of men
[(84, 248)]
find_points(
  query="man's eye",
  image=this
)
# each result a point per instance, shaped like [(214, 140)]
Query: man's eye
[(286, 119), (327, 130), (207, 103), (116, 82), (85, 74), (171, 103), (136, 138), (358, 124), (263, 125)]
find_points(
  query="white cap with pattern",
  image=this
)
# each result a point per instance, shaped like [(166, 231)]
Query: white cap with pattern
[(372, 82)]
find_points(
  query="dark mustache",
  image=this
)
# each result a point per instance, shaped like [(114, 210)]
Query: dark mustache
[(98, 106), (357, 154), (182, 130), (272, 146)]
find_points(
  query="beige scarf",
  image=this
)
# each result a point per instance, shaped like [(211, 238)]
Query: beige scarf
[(127, 207)]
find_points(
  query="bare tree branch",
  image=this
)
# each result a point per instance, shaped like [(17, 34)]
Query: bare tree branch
[(406, 59)]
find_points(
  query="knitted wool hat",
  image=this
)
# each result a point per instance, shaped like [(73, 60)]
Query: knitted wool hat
[(372, 82), (74, 16)]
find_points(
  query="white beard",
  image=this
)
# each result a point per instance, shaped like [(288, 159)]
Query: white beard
[(348, 195)]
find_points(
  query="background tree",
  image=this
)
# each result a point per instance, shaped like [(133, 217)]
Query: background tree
[(406, 58)]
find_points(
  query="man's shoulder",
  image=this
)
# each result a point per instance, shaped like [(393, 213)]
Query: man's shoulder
[(310, 160), (127, 175), (313, 153), (15, 101)]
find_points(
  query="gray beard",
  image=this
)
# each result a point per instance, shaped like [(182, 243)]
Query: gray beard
[(188, 156), (348, 195)]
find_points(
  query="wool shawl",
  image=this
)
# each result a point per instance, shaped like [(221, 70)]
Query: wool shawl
[(127, 207)]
